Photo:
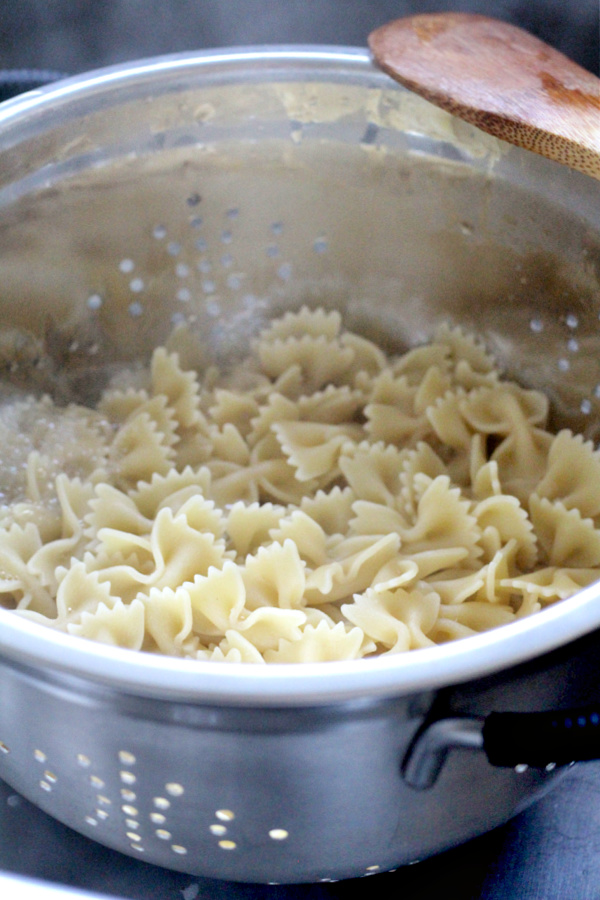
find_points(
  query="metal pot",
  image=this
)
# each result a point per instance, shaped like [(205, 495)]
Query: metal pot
[(218, 189)]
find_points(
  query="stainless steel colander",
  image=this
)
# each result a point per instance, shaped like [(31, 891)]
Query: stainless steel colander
[(217, 190)]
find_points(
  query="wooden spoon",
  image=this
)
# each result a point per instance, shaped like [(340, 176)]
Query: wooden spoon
[(501, 79)]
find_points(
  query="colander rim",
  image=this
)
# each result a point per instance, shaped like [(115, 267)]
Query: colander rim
[(281, 55), (311, 683)]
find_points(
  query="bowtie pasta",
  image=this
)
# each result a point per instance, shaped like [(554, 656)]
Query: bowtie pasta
[(320, 501)]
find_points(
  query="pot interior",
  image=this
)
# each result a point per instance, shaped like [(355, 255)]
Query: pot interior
[(218, 195)]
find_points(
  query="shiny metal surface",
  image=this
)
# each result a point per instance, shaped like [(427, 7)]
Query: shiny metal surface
[(325, 183), (279, 795), (429, 751)]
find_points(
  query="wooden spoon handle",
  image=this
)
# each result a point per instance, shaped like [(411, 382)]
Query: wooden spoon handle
[(501, 79)]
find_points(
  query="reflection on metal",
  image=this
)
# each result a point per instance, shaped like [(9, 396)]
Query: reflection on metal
[(427, 755)]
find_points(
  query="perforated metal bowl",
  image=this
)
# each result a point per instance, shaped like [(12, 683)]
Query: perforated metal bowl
[(219, 189)]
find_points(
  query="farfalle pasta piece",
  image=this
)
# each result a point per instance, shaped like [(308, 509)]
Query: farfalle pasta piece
[(181, 551), (113, 543), (331, 406), (391, 414), (313, 448), (108, 507), (485, 477), (521, 459), (274, 576), (397, 620), (373, 471), (193, 449), (216, 600), (441, 559), (331, 510), (249, 525), (125, 576), (121, 405), (228, 445), (275, 477), (572, 474), (322, 585), (422, 459), (443, 520), (322, 361), (502, 408), (415, 362), (306, 534), (463, 346), (79, 592), (471, 617), (138, 451), (277, 409), (376, 518), (355, 563), (230, 481), (121, 625), (435, 384), (289, 384), (319, 644), (151, 495), (565, 538), (266, 626), (118, 404), (515, 415), (74, 498), (174, 553), (548, 585), (305, 321), (369, 359), (17, 546), (465, 376), (168, 621), (235, 408), (396, 573), (202, 515), (180, 388), (234, 648), (164, 416), (447, 421), (505, 514), (457, 585), (501, 567)]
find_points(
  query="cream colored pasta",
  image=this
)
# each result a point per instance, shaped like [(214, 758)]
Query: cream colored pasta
[(319, 501)]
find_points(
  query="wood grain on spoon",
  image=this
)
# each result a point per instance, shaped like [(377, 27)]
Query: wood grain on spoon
[(501, 79)]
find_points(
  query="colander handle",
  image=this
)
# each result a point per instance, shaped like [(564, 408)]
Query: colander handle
[(539, 740)]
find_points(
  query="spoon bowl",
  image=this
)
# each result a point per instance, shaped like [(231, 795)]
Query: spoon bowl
[(499, 78)]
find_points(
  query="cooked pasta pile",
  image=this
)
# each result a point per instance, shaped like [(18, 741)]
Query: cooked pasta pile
[(321, 501)]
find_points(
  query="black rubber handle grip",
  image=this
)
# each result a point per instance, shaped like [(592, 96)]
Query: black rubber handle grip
[(542, 739)]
